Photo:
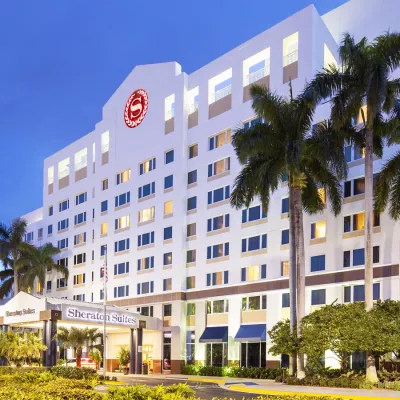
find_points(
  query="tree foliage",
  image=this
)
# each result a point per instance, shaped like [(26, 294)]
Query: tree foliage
[(283, 341)]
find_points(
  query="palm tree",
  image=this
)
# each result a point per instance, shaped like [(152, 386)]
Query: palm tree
[(286, 145), (12, 253), (41, 262), (77, 338), (363, 80)]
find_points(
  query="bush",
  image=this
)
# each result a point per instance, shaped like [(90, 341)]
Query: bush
[(143, 392), (74, 372), (233, 372)]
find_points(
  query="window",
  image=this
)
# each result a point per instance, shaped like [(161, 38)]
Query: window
[(79, 279), (190, 347), (168, 233), (146, 215), (218, 278), (50, 175), (121, 245), (317, 263), (190, 309), (104, 206), (62, 244), (254, 303), (192, 177), (79, 297), (252, 122), (145, 287), (122, 199), (190, 282), (219, 167), (356, 222), (63, 168), (218, 250), (191, 256), (191, 229), (63, 205), (104, 228), (254, 243), (145, 263), (217, 306), (217, 223), (80, 218), (63, 262), (166, 351), (358, 187), (168, 207), (375, 254), (285, 268), (167, 259), (167, 284), (122, 222), (80, 238), (318, 297), (49, 229), (105, 142), (254, 273), (103, 250), (193, 151), (219, 139), (147, 190), (192, 203), (169, 156), (104, 184), (121, 268), (168, 182), (29, 237), (51, 211), (253, 214), (63, 224), (124, 176), (358, 257), (167, 310), (285, 237), (61, 283), (79, 258), (145, 310), (145, 238), (285, 300), (40, 233), (290, 49), (147, 166), (217, 195), (80, 198), (285, 205), (121, 291), (346, 259), (359, 293), (318, 230)]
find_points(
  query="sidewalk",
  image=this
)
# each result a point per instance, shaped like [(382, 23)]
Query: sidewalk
[(265, 386)]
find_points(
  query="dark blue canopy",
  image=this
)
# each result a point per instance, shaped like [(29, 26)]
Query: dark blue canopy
[(214, 334), (251, 333)]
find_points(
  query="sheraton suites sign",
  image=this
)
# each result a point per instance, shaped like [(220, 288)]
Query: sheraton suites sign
[(98, 316)]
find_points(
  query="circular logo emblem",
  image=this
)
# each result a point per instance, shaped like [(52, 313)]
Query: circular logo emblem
[(136, 108)]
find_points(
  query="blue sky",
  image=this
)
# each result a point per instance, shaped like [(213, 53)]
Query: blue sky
[(60, 60)]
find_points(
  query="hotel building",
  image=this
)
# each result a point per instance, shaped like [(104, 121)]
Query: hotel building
[(150, 187)]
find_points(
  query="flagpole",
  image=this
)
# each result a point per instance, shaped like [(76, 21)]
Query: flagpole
[(105, 312)]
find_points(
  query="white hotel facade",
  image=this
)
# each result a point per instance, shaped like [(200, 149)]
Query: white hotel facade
[(157, 196)]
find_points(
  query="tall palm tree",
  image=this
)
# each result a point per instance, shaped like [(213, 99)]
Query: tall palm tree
[(286, 145), (13, 252), (40, 263), (77, 339), (364, 79)]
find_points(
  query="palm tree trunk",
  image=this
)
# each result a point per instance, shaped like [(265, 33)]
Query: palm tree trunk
[(79, 356), (300, 269), (16, 275), (292, 276), (369, 274)]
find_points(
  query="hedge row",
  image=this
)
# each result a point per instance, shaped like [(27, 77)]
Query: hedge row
[(233, 372), (58, 371)]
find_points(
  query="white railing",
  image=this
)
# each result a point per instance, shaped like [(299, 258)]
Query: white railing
[(193, 108), (221, 93), (105, 147), (63, 173), (170, 114), (81, 164), (290, 58), (257, 75)]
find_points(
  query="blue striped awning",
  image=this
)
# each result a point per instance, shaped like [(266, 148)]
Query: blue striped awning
[(251, 333), (214, 334)]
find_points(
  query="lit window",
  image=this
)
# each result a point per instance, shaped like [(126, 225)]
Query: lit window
[(219, 140), (190, 282), (167, 285), (168, 207), (219, 167), (322, 194), (145, 263), (284, 268), (254, 273), (104, 228), (123, 222), (218, 278), (318, 230), (146, 215), (124, 176), (147, 166), (167, 259), (80, 238), (79, 279)]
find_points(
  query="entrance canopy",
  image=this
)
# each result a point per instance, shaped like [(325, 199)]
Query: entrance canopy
[(30, 310), (214, 334), (251, 333)]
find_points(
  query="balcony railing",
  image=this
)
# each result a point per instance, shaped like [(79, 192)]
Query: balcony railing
[(63, 173), (257, 75), (170, 114), (193, 108), (221, 93), (81, 164), (290, 58), (105, 147)]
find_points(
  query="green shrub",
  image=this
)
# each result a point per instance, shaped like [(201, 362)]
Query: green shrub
[(74, 372), (143, 392)]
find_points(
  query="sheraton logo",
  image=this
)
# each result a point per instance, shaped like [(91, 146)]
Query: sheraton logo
[(136, 108), (19, 313), (96, 316)]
